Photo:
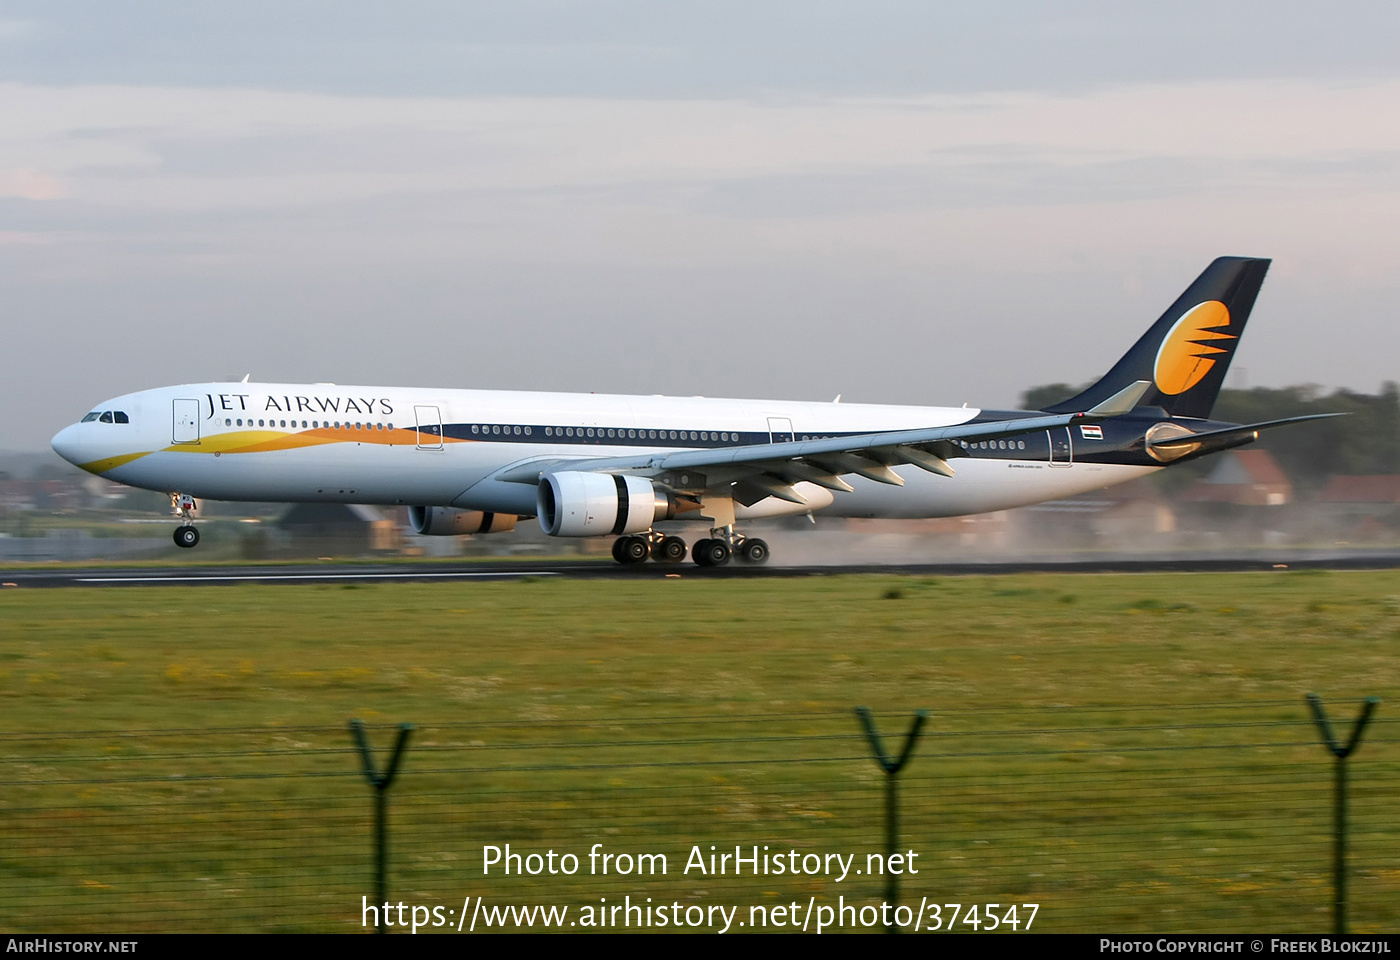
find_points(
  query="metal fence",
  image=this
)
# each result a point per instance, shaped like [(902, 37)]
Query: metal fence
[(1208, 818)]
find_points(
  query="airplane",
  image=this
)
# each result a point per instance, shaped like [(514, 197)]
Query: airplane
[(586, 465)]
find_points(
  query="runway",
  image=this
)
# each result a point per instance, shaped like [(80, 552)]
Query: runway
[(49, 577)]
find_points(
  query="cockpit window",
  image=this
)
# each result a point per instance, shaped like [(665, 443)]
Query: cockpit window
[(107, 416), (91, 417), (119, 417)]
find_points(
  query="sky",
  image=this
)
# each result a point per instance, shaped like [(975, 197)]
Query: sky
[(893, 201)]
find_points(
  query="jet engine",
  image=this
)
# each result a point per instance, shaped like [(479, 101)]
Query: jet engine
[(451, 522), (578, 504)]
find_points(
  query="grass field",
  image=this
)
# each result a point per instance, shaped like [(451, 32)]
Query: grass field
[(1129, 751)]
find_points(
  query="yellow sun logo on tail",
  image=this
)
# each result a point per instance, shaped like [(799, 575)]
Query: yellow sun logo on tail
[(1187, 354)]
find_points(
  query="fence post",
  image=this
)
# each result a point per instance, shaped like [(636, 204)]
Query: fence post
[(1339, 835), (891, 768), (380, 783)]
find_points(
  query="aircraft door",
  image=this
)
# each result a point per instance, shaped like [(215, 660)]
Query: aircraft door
[(780, 430), (429, 422), (185, 421), (1061, 447)]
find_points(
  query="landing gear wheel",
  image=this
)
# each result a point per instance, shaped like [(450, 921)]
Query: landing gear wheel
[(753, 551), (669, 550), (186, 537), (630, 550), (711, 553)]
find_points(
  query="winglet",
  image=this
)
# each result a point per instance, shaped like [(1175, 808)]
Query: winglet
[(1121, 402)]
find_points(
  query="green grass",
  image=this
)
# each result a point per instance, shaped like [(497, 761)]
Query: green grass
[(1130, 751)]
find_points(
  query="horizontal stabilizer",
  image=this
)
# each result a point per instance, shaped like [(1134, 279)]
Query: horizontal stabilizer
[(1240, 432)]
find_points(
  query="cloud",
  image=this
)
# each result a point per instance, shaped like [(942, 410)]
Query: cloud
[(365, 145), (966, 179), (1306, 168), (19, 30), (30, 185), (282, 229)]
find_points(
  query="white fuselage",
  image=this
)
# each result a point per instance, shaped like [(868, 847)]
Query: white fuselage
[(392, 445)]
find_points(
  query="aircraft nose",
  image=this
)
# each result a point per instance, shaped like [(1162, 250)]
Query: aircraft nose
[(67, 444)]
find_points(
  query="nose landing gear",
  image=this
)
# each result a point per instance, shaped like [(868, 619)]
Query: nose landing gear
[(183, 505)]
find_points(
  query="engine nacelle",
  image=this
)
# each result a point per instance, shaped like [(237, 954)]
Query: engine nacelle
[(451, 522), (577, 504)]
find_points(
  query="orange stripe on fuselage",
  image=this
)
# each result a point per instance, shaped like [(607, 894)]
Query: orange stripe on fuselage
[(111, 463), (266, 441)]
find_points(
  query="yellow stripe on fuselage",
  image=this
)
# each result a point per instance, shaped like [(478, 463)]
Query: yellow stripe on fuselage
[(267, 441), (111, 463)]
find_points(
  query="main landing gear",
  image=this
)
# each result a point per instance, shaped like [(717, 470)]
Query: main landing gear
[(185, 535), (652, 545), (717, 551), (714, 551)]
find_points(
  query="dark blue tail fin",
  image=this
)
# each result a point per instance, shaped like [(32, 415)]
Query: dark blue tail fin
[(1186, 353)]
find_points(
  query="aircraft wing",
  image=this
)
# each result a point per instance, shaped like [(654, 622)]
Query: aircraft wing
[(771, 469)]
